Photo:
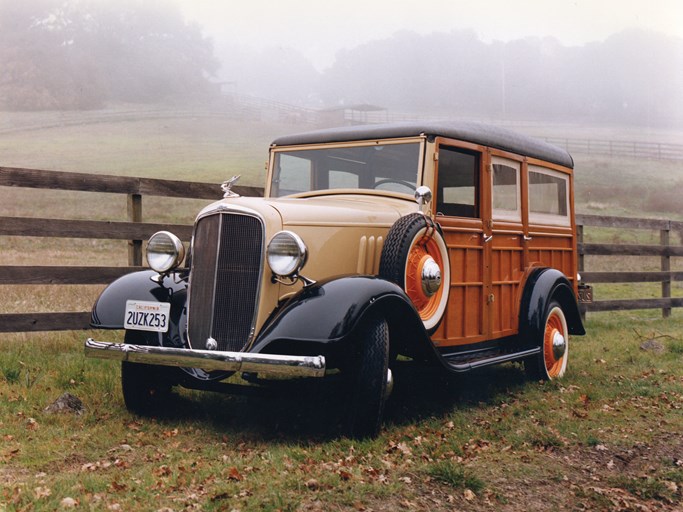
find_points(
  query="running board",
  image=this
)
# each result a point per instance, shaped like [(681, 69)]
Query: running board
[(467, 362)]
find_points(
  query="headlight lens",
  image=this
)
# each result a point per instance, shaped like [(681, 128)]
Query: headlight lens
[(165, 251), (286, 254)]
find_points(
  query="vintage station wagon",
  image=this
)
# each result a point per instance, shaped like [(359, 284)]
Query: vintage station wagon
[(447, 243)]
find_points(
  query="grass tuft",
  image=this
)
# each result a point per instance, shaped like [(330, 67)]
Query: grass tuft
[(455, 475)]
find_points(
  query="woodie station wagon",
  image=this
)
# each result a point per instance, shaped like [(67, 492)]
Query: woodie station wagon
[(449, 243)]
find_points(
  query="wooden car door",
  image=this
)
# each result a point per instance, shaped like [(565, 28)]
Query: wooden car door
[(460, 203)]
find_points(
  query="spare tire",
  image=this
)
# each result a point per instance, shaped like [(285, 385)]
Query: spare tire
[(415, 257)]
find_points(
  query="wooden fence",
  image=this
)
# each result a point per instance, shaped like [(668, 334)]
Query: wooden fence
[(135, 231), (664, 250)]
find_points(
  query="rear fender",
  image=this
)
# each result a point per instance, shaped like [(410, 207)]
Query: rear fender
[(543, 286)]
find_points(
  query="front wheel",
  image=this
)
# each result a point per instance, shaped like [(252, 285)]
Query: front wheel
[(145, 387), (370, 378), (551, 361)]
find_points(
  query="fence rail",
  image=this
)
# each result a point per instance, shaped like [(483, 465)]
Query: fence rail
[(135, 231), (624, 148), (664, 250), (239, 106)]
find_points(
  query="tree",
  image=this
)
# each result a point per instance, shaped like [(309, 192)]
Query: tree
[(81, 54)]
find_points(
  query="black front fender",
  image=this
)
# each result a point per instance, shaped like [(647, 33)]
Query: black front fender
[(321, 318), (108, 311)]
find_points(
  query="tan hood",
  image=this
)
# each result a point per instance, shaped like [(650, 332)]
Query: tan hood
[(342, 210)]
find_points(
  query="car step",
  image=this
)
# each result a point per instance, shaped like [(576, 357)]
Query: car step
[(471, 360)]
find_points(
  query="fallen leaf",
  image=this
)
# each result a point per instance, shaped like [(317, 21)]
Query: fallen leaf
[(162, 471), (234, 474), (116, 487), (468, 495), (672, 486), (68, 503), (42, 492)]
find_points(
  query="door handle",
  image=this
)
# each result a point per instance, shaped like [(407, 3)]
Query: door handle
[(527, 238), (487, 238)]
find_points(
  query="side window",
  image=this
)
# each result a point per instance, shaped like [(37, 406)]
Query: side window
[(548, 196), (506, 189), (458, 183)]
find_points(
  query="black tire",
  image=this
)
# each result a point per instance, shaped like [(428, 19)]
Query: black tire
[(418, 234), (145, 387), (547, 364), (368, 378)]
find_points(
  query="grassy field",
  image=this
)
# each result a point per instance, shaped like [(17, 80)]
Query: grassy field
[(608, 437)]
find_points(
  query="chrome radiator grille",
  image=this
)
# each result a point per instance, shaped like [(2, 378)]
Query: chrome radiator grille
[(224, 280)]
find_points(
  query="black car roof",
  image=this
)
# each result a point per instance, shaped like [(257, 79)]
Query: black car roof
[(477, 133)]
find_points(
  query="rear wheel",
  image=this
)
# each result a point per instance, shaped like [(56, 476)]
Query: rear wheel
[(370, 378), (145, 387), (551, 361)]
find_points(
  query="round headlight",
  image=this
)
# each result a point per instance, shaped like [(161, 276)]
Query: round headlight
[(286, 254), (165, 251)]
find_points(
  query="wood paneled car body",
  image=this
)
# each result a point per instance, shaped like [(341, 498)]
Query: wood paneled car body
[(448, 243)]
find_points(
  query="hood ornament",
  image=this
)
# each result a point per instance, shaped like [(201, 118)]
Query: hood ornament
[(227, 185)]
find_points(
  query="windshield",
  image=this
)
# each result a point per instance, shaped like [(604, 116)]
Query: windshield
[(389, 167)]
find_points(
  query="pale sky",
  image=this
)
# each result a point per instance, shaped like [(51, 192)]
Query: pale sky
[(319, 28)]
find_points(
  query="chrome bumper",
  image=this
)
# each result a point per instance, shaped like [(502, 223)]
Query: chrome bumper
[(290, 366)]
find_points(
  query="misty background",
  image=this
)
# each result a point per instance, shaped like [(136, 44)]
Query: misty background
[(81, 55)]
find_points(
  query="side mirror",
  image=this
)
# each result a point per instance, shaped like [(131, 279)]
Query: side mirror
[(423, 195)]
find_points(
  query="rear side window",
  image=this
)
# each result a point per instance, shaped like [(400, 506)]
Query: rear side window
[(506, 189), (548, 196)]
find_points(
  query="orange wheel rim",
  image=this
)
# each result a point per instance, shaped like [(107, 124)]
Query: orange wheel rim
[(553, 326), (426, 305)]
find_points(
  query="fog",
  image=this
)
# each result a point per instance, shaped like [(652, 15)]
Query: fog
[(590, 62)]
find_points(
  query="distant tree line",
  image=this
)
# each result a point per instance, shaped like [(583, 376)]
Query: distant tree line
[(79, 54), (632, 77)]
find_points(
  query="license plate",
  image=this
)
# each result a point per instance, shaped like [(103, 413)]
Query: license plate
[(585, 294), (147, 316)]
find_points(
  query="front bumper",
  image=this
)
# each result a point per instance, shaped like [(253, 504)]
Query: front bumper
[(289, 366)]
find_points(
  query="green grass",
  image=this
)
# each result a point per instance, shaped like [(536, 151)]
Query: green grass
[(455, 475), (491, 432)]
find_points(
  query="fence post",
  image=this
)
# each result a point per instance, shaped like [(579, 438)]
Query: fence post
[(664, 236), (135, 215), (580, 264)]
